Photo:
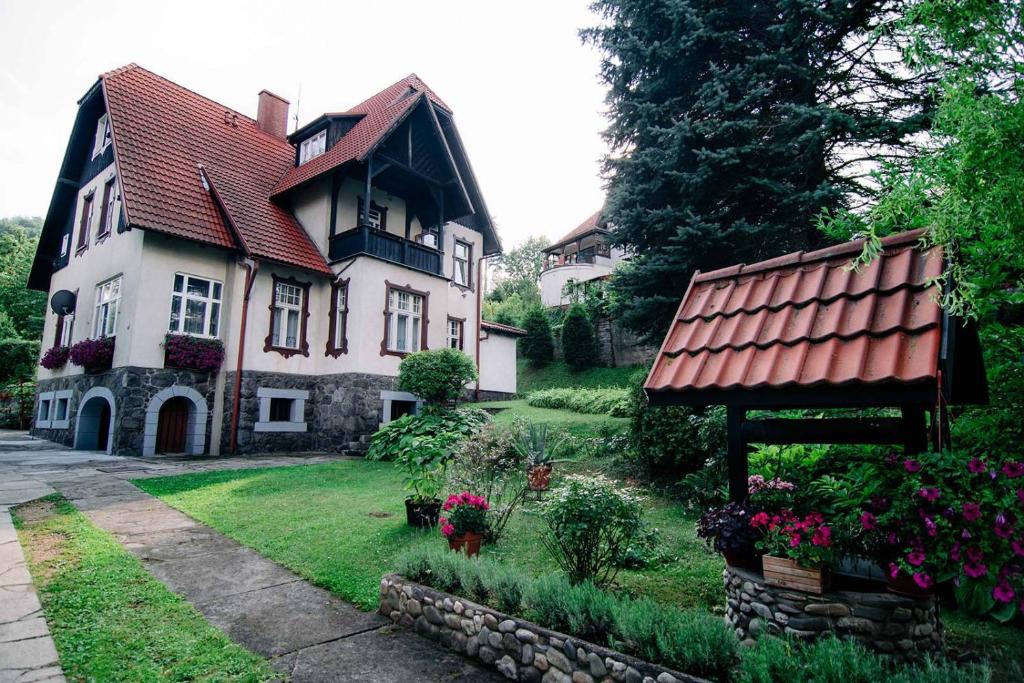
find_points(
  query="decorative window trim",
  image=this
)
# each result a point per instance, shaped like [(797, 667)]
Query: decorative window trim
[(374, 206), (209, 319), (298, 421), (469, 264), (85, 221), (106, 226), (424, 318), (65, 422), (268, 343), (336, 347), (387, 397), (462, 333), (45, 421)]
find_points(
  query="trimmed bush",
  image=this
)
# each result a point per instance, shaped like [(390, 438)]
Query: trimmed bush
[(538, 346), (579, 349), (612, 401), (438, 377)]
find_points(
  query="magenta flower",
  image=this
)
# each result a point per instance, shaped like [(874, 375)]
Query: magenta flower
[(974, 554), (868, 521), (1013, 469), (447, 530), (915, 558), (911, 465), (894, 570), (923, 581), (976, 466), (794, 540), (975, 570), (822, 537), (929, 493), (1003, 527), (1018, 547), (1003, 592), (972, 512), (954, 552), (1020, 495)]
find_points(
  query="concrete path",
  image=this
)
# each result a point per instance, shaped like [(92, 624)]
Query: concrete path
[(307, 633)]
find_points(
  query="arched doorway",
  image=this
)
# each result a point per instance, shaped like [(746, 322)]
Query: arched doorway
[(172, 425), (94, 428), (175, 422)]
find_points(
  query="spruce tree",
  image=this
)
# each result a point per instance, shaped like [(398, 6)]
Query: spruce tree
[(538, 346), (579, 349), (734, 124)]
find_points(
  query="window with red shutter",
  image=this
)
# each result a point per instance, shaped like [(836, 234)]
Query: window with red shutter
[(86, 220)]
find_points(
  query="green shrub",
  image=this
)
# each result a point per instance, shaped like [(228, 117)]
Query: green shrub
[(504, 587), (538, 346), (591, 524), (579, 349), (438, 376), (613, 401)]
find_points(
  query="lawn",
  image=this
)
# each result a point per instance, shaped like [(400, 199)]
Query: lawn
[(109, 618), (342, 524), (558, 375), (581, 424)]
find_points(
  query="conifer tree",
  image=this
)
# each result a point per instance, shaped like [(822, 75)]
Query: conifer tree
[(538, 346), (579, 349)]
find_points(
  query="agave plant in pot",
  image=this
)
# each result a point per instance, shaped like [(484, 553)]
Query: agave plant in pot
[(465, 522), (535, 446)]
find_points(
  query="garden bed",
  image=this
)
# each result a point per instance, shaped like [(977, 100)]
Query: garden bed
[(518, 649)]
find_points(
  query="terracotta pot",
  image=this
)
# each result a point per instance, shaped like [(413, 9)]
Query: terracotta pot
[(469, 541), (904, 584), (539, 477), (422, 515), (786, 573)]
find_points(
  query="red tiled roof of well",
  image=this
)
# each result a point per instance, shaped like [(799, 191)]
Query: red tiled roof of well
[(502, 329), (592, 223), (380, 114), (806, 320), (164, 132)]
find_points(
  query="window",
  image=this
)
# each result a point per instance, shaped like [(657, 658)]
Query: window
[(195, 306), (313, 147), (378, 217), (44, 409), (455, 329), (85, 221), (281, 410), (65, 326), (288, 314), (60, 409), (65, 243), (337, 341), (103, 136), (461, 257), (107, 210), (60, 413), (396, 404), (404, 321), (108, 302)]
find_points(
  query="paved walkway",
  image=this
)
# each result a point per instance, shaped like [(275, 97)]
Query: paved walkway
[(307, 633)]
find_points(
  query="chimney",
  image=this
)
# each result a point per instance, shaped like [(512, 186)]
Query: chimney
[(272, 114)]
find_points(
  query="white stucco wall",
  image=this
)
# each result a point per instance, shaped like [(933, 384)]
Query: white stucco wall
[(498, 362)]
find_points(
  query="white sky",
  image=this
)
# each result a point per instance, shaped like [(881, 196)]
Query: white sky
[(524, 90)]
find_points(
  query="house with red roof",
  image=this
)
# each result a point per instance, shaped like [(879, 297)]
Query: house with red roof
[(182, 232), (581, 256)]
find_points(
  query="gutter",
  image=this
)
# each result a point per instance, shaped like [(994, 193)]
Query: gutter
[(479, 318)]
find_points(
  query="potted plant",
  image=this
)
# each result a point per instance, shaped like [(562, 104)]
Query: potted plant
[(194, 353), (55, 357), (728, 530), (465, 522), (797, 549), (534, 446), (95, 355)]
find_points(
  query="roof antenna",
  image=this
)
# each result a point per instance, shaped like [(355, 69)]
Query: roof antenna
[(298, 103)]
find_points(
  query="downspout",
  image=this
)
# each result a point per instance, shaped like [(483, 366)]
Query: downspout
[(480, 270), (252, 266)]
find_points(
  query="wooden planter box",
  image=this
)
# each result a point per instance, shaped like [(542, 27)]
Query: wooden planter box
[(786, 573)]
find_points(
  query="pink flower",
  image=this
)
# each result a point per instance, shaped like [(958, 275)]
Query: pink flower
[(868, 521), (794, 540), (976, 466), (760, 519), (972, 511), (1018, 547), (894, 570), (911, 465), (923, 580), (975, 570), (954, 552), (822, 537), (929, 493), (1003, 592), (1003, 527), (1013, 469), (930, 527), (974, 554), (447, 530), (916, 558)]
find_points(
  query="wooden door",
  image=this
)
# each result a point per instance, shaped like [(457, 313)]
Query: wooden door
[(172, 425)]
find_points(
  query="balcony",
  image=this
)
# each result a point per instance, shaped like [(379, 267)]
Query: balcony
[(385, 246)]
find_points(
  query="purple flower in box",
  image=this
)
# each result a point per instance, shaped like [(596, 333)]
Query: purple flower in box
[(55, 357), (195, 353), (93, 354)]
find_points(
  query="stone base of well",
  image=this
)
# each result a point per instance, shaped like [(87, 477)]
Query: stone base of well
[(903, 627), (519, 650)]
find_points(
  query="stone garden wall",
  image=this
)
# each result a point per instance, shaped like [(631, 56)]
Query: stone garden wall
[(519, 650), (903, 627)]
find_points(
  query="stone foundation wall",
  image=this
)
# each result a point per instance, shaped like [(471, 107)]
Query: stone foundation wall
[(519, 650), (903, 627)]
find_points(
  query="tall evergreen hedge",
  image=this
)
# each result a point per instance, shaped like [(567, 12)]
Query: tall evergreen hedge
[(539, 345), (579, 348)]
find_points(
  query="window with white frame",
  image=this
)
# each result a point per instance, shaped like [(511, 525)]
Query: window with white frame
[(375, 218), (313, 147), (44, 409), (281, 410), (285, 326), (340, 319), (404, 321), (65, 243), (195, 306), (65, 329), (108, 302), (455, 329), (103, 136), (60, 411), (107, 215), (461, 258)]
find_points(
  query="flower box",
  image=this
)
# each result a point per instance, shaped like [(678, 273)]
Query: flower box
[(786, 573), (55, 357), (95, 355), (193, 353)]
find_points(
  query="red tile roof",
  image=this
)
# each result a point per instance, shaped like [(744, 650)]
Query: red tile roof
[(806, 320), (592, 223), (502, 329), (380, 115), (163, 133)]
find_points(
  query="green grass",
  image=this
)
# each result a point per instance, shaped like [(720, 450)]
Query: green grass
[(558, 375), (111, 620), (580, 424), (341, 525)]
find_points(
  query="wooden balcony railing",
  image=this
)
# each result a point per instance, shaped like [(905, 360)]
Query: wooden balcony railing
[(383, 245)]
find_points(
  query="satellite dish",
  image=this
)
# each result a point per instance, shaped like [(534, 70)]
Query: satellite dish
[(63, 302)]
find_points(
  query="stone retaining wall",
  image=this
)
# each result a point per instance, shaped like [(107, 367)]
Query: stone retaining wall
[(519, 650), (903, 627)]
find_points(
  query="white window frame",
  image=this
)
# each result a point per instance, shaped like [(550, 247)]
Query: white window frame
[(67, 330), (408, 306), (465, 277), (282, 309), (44, 410), (211, 319), (456, 331), (298, 397), (388, 397), (56, 421), (103, 306), (104, 136), (340, 315), (65, 245), (312, 147)]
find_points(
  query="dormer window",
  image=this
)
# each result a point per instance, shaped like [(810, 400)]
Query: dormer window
[(103, 136), (313, 147)]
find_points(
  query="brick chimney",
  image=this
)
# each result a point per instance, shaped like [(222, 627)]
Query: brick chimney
[(272, 114)]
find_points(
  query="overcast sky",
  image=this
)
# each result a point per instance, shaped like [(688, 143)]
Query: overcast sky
[(524, 90)]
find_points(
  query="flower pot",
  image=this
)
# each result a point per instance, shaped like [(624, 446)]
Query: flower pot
[(746, 559), (539, 477), (422, 515), (469, 541), (786, 573), (904, 584)]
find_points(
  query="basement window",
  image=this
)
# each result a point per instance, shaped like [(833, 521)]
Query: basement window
[(281, 410)]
